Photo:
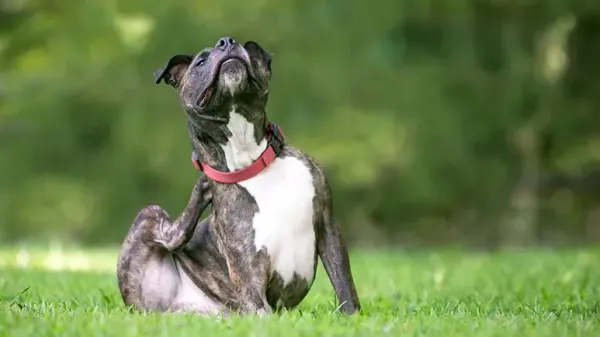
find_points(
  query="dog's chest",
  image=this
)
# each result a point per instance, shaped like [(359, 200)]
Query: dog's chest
[(283, 225)]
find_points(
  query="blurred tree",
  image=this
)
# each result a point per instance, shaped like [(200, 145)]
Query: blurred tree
[(437, 122)]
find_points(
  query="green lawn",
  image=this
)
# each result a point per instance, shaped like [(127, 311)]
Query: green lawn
[(448, 293)]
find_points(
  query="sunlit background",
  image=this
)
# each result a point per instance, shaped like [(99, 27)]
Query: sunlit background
[(440, 123)]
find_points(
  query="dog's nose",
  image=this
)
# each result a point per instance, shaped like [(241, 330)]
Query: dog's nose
[(225, 43)]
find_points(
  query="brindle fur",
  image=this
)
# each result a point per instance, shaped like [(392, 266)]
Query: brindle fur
[(153, 236), (220, 256)]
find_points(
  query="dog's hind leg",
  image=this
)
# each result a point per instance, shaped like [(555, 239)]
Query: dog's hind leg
[(148, 277), (174, 235), (334, 256)]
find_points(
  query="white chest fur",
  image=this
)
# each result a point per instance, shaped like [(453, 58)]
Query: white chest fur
[(284, 194), (283, 225), (241, 149)]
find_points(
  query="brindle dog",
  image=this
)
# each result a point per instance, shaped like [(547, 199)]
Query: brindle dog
[(257, 251)]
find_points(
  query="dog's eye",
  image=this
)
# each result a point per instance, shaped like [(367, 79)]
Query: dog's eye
[(200, 62)]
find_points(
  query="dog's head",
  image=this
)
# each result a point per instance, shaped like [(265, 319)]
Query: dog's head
[(217, 80)]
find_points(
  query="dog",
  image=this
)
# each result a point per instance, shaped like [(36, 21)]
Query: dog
[(271, 215)]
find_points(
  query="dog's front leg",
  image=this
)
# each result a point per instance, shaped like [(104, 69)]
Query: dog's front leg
[(334, 256), (175, 235), (247, 270)]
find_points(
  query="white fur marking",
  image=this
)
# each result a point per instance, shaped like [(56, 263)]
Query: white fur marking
[(241, 149), (284, 193), (159, 283), (233, 79), (232, 82), (165, 282), (193, 297)]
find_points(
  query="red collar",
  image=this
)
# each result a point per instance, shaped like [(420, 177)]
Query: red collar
[(274, 148)]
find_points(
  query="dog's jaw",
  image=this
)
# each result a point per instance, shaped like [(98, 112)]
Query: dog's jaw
[(233, 74), (242, 148), (232, 82)]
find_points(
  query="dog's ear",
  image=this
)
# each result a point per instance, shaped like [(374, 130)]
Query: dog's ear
[(261, 56), (174, 70)]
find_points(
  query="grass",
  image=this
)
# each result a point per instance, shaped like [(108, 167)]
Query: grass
[(448, 293)]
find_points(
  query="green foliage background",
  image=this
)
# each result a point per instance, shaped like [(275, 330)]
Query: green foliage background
[(465, 121)]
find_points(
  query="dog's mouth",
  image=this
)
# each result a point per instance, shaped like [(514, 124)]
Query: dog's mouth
[(208, 93), (206, 96)]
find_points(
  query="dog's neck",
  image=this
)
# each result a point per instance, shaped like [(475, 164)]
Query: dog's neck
[(232, 146)]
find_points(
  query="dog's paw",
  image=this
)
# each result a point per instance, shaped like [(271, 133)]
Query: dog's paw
[(207, 196), (206, 190)]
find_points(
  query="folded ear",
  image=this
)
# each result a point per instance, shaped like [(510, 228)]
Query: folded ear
[(261, 56), (174, 70)]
